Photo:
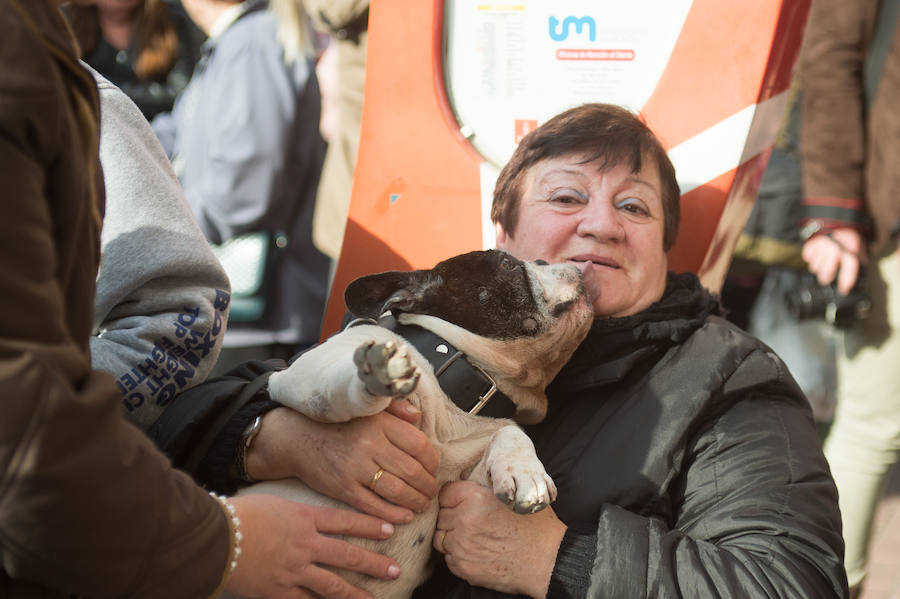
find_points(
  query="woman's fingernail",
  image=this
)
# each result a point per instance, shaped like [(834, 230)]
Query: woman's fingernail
[(387, 529), (393, 570)]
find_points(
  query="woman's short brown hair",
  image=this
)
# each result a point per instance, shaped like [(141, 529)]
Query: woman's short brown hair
[(598, 132)]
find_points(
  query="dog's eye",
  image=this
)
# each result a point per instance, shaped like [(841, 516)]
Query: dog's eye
[(507, 264), (540, 262)]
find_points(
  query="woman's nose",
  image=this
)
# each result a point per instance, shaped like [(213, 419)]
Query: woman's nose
[(600, 219)]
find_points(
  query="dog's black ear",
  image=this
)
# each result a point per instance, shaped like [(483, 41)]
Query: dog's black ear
[(373, 295)]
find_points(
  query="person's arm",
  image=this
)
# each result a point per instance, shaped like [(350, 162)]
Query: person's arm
[(202, 427), (162, 297), (86, 502), (833, 138), (246, 113), (88, 506), (164, 126), (755, 516)]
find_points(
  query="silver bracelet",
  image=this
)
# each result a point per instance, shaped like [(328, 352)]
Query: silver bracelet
[(244, 446), (234, 527)]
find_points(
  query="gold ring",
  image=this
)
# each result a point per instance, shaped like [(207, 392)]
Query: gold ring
[(443, 538), (375, 478)]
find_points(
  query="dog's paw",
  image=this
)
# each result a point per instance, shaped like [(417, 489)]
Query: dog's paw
[(386, 369), (524, 486)]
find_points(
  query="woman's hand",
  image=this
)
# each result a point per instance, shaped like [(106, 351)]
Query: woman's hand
[(837, 254), (342, 460), (488, 545), (284, 547)]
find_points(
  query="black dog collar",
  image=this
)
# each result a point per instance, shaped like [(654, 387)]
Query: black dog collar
[(468, 385)]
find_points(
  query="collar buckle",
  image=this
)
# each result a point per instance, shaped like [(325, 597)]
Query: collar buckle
[(482, 401), (468, 385), (484, 397)]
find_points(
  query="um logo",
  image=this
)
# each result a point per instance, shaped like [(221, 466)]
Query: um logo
[(560, 33)]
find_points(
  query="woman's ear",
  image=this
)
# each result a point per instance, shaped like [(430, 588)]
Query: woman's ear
[(500, 236)]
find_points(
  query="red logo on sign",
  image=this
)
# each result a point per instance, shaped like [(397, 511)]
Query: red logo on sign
[(594, 54)]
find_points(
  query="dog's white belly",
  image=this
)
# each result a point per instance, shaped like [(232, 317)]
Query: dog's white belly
[(410, 544)]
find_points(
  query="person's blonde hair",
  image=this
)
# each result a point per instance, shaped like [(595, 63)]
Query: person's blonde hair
[(154, 39), (294, 32)]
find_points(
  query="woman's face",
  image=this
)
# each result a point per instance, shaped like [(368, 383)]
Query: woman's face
[(608, 222)]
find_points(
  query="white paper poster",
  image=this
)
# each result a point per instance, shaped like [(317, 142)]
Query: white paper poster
[(511, 66)]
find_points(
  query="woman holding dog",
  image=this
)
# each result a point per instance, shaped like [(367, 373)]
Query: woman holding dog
[(685, 456)]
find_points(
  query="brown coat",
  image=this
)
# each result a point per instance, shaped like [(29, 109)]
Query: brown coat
[(850, 153), (87, 503), (336, 17)]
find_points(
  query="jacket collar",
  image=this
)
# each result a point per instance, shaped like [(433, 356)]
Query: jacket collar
[(229, 18), (615, 346)]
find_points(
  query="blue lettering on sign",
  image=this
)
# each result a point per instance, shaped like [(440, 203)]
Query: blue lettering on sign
[(559, 34)]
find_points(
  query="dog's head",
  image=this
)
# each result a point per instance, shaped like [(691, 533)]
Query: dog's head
[(518, 320)]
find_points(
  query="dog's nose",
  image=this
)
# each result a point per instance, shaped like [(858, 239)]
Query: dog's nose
[(540, 262)]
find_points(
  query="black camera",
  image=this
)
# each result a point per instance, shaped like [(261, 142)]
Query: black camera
[(809, 299)]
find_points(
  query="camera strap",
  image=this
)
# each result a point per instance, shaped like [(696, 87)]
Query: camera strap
[(885, 25)]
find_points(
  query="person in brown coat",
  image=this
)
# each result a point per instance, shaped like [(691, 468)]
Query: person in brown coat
[(850, 142), (88, 505), (346, 23)]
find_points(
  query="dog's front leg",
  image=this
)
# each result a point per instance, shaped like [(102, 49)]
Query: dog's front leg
[(386, 368), (356, 373), (511, 466)]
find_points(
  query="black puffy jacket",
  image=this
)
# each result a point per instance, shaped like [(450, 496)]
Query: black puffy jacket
[(685, 456), (687, 465)]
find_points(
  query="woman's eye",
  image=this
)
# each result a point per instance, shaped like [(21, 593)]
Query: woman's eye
[(634, 206), (567, 197)]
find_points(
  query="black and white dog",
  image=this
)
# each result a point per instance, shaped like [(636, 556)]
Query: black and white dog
[(494, 329)]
